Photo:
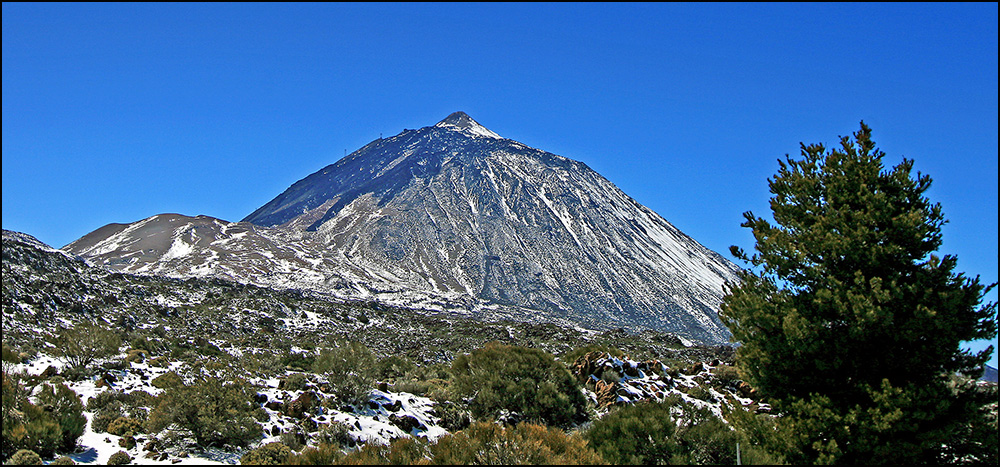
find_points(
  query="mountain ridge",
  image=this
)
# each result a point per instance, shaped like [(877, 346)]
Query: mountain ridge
[(454, 215)]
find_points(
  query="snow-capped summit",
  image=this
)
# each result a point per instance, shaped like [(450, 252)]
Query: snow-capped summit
[(452, 217), (461, 121)]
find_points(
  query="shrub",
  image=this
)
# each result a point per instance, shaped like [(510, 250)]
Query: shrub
[(700, 393), (262, 363), (295, 382), (26, 426), (502, 380), (63, 460), (636, 434), (268, 454), (335, 434), (726, 375), (102, 399), (324, 454), (350, 368), (214, 412), (102, 420), (485, 443), (86, 342), (453, 416), (66, 409), (709, 442), (426, 380), (159, 362), (761, 438), (108, 406), (294, 438), (297, 361), (57, 379), (393, 367), (120, 458), (13, 395), (124, 426), (9, 355), (24, 457), (167, 380), (402, 451), (136, 356)]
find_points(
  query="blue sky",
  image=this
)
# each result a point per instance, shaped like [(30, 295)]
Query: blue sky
[(116, 112)]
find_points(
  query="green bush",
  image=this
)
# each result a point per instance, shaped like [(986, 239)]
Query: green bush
[(726, 375), (295, 382), (38, 432), (120, 458), (636, 434), (32, 427), (102, 419), (297, 361), (486, 443), (136, 355), (425, 380), (350, 368), (9, 355), (268, 454), (84, 343), (24, 457), (159, 362), (14, 395), (708, 442), (675, 432), (483, 443), (66, 408), (295, 438), (124, 426), (324, 454), (402, 451), (336, 434), (63, 460), (167, 380), (453, 416), (108, 406), (393, 367), (216, 413), (762, 439), (262, 363), (700, 393), (510, 381), (102, 399)]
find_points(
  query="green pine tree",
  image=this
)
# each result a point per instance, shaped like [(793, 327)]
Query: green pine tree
[(847, 320)]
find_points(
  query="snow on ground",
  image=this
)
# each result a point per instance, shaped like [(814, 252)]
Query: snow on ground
[(656, 384), (371, 423)]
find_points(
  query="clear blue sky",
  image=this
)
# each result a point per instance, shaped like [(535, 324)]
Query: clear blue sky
[(113, 113)]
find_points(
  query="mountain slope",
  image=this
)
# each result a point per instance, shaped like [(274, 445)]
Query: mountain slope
[(455, 214)]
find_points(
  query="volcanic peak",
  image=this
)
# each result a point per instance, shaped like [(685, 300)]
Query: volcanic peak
[(461, 121)]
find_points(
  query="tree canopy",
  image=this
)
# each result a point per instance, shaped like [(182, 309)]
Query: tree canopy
[(848, 319)]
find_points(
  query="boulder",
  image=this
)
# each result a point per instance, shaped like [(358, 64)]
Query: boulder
[(406, 423), (302, 405), (607, 393)]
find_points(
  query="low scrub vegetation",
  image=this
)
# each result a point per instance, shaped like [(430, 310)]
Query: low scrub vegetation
[(515, 383)]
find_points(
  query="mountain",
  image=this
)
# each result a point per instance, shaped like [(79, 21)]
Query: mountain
[(450, 217), (989, 374)]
